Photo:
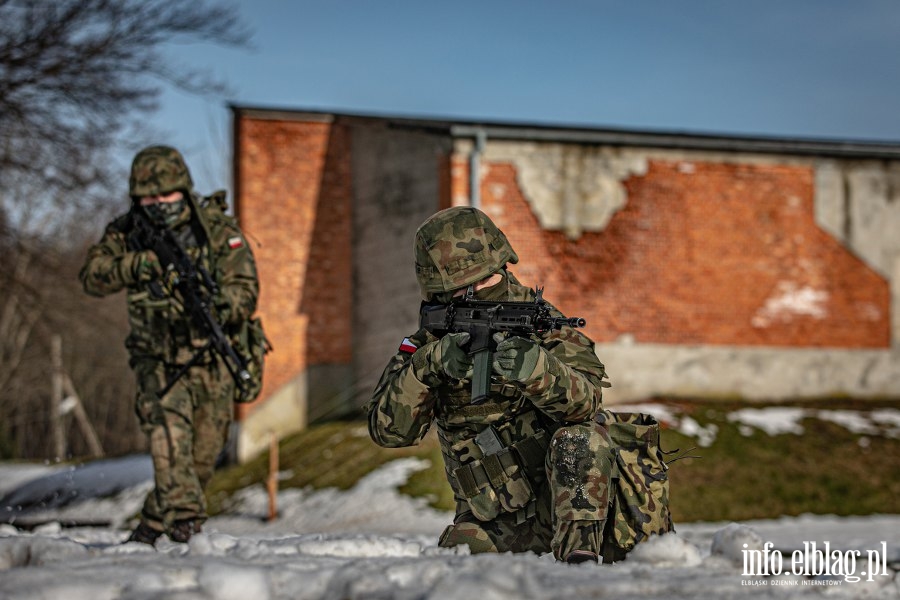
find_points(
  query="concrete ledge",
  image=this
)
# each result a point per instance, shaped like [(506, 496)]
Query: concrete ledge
[(640, 371), (320, 392), (283, 413)]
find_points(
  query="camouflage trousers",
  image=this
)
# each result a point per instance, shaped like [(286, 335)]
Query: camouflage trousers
[(187, 429), (570, 507)]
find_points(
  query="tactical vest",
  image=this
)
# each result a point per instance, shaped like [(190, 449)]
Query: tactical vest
[(493, 452), (160, 328)]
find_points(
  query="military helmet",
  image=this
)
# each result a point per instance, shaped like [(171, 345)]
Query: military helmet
[(158, 170), (457, 247)]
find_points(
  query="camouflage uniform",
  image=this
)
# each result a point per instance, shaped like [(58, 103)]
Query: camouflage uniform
[(188, 426), (548, 489)]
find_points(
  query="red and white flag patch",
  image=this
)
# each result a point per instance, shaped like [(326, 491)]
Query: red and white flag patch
[(407, 346), (235, 242)]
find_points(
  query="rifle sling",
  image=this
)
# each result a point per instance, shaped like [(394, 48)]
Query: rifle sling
[(195, 359)]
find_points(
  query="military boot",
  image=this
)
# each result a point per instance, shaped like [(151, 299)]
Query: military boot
[(183, 530), (144, 534), (577, 557)]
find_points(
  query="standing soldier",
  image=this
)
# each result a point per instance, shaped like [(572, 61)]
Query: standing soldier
[(185, 390), (529, 467)]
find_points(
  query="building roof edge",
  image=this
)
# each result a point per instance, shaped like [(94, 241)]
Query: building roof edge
[(509, 130)]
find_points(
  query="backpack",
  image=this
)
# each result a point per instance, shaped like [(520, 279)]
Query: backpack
[(639, 507), (250, 341)]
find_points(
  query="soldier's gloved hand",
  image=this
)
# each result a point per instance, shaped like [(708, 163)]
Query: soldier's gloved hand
[(141, 266), (519, 359), (443, 359)]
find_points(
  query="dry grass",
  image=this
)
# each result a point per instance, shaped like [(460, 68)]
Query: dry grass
[(335, 454), (826, 470)]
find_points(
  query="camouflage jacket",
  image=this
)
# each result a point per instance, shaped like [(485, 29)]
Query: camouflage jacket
[(160, 330), (403, 408)]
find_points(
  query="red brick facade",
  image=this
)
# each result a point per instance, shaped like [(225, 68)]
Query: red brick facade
[(714, 254), (294, 204), (694, 256)]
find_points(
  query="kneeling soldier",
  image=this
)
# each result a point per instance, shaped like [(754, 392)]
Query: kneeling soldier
[(529, 466)]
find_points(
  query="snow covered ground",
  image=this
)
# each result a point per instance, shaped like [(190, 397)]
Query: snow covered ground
[(371, 542)]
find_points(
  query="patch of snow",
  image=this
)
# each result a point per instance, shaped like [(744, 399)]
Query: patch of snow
[(662, 412), (666, 551), (774, 420), (705, 435), (889, 418), (372, 542), (852, 420), (731, 541)]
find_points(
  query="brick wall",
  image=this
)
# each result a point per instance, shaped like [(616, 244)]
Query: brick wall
[(294, 204), (703, 253), (714, 277)]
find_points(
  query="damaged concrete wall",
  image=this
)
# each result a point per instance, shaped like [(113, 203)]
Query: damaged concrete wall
[(579, 189), (858, 202), (573, 188)]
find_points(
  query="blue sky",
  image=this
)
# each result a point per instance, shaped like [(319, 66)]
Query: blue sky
[(784, 68)]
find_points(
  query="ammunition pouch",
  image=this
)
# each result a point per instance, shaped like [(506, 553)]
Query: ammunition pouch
[(503, 481), (640, 505), (250, 341)]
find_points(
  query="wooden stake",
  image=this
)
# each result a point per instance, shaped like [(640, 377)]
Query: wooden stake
[(84, 423), (65, 399), (56, 414), (272, 483)]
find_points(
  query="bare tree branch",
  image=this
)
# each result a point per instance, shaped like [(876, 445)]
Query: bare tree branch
[(77, 78), (73, 73)]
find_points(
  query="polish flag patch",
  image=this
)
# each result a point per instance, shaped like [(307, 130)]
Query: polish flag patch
[(407, 346), (235, 242)]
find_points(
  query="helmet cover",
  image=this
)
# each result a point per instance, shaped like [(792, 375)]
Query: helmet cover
[(158, 170), (457, 247)]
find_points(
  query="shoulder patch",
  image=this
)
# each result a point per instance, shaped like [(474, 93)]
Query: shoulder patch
[(407, 346), (235, 242)]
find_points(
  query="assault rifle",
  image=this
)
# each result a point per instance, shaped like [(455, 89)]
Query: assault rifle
[(196, 288), (481, 319)]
